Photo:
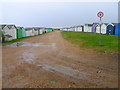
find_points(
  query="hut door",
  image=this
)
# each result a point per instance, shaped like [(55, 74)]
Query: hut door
[(109, 31)]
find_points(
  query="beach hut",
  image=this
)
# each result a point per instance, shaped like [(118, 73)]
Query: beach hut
[(103, 28), (73, 29), (110, 29), (19, 32), (94, 27), (36, 31), (41, 30), (89, 27), (23, 32), (28, 31), (5, 33), (79, 29), (86, 28), (117, 29), (49, 29), (76, 28), (12, 31), (66, 29), (32, 34)]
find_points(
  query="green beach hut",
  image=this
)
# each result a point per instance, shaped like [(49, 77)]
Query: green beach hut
[(49, 29), (19, 32)]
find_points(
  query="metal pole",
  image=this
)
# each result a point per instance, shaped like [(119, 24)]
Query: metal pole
[(100, 33)]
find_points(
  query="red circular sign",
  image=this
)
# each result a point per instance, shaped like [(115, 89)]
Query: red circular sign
[(100, 14)]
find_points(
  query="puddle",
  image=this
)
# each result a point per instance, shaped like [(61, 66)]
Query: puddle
[(65, 70), (22, 43), (28, 57)]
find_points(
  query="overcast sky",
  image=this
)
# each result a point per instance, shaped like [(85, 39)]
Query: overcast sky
[(56, 14)]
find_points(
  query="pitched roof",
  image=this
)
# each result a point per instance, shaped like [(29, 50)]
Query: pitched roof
[(2, 26), (10, 26)]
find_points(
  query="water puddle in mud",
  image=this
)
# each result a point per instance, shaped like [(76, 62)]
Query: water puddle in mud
[(65, 70), (22, 43), (30, 58)]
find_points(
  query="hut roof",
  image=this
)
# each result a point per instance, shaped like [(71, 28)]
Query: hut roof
[(89, 24), (27, 29), (3, 25), (10, 26)]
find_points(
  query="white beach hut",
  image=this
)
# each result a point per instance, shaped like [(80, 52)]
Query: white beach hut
[(9, 32), (29, 31), (36, 31), (103, 28), (6, 33), (79, 28), (12, 31), (42, 30), (86, 28)]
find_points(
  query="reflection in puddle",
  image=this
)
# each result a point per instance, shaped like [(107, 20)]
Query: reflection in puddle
[(18, 44)]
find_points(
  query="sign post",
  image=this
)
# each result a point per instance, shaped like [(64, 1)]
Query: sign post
[(100, 15)]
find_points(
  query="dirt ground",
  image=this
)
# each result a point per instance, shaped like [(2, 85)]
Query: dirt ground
[(49, 61)]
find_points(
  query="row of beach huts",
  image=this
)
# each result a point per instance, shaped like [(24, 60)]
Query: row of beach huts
[(11, 32), (111, 28)]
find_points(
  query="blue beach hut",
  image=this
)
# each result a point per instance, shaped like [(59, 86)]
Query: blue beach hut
[(23, 32), (110, 29), (117, 29)]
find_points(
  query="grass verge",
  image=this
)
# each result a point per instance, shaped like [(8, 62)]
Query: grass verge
[(109, 43)]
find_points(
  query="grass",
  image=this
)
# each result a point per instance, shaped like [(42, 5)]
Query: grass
[(109, 43)]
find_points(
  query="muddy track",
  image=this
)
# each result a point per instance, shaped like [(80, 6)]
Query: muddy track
[(49, 61)]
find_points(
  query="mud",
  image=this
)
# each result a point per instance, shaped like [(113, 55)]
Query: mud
[(49, 61)]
